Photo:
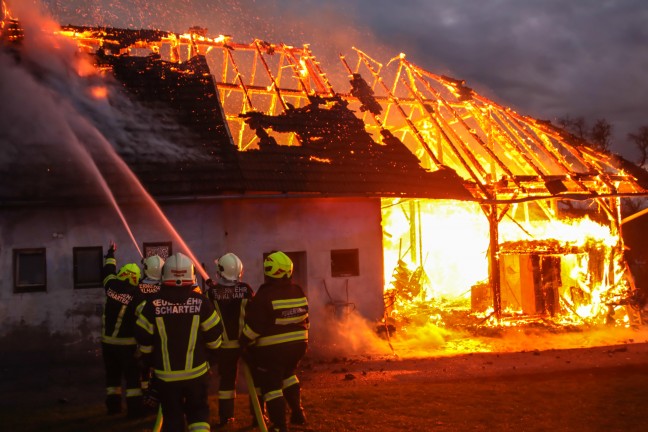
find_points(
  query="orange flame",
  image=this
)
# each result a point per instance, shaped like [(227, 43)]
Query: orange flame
[(99, 92), (436, 258)]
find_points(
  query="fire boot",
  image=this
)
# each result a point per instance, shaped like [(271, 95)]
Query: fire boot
[(113, 404), (293, 398), (225, 411), (277, 414)]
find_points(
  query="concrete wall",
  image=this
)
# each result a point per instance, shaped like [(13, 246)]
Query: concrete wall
[(247, 227)]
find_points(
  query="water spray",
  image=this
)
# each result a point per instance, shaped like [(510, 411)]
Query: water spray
[(128, 230), (135, 181), (125, 169), (110, 196), (158, 212)]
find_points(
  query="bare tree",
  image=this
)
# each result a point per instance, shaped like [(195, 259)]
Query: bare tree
[(574, 125), (600, 135), (640, 139)]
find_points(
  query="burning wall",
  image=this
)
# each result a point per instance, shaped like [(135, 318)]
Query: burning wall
[(559, 270)]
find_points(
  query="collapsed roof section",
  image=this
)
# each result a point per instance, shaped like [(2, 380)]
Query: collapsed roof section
[(308, 144), (502, 156)]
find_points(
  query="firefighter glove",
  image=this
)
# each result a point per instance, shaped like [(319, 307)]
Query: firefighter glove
[(111, 250), (151, 397)]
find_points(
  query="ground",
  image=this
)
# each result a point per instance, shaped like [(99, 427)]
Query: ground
[(591, 387)]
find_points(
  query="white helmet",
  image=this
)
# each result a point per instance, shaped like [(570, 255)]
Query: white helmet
[(153, 267), (229, 267), (178, 270)]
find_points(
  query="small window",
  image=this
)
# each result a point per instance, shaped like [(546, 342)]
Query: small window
[(163, 249), (345, 263), (88, 263), (30, 270)]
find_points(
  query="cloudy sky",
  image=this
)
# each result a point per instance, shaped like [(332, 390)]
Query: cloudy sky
[(544, 58)]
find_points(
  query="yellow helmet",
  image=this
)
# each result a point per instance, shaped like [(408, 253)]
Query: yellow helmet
[(129, 272), (277, 265)]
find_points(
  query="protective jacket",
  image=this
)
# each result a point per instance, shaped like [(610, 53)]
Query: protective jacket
[(277, 314), (146, 288), (230, 302), (149, 286), (175, 329), (276, 322), (119, 315)]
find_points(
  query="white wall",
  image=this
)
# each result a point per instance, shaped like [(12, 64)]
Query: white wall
[(247, 227), (315, 226)]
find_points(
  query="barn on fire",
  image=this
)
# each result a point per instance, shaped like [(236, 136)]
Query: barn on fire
[(367, 174)]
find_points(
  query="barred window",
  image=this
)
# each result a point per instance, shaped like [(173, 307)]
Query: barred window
[(163, 249)]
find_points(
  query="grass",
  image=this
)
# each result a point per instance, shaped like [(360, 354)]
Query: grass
[(595, 400), (599, 399)]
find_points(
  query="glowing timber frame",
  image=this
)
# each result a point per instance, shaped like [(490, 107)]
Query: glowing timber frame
[(504, 158)]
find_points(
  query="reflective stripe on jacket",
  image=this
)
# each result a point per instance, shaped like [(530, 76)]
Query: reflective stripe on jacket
[(177, 326), (230, 302), (118, 318), (277, 314)]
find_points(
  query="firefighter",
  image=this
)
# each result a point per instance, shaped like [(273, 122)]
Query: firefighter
[(117, 337), (276, 323), (230, 296), (148, 285), (176, 330), (152, 265)]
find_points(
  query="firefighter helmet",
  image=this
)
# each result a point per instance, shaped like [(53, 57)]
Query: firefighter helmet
[(129, 272), (153, 267), (277, 265), (229, 267), (178, 270)]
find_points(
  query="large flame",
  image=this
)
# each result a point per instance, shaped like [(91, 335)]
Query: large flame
[(449, 239), (436, 259)]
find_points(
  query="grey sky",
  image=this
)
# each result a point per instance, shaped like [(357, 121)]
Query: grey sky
[(544, 58)]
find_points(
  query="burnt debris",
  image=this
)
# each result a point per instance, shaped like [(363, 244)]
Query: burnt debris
[(361, 90)]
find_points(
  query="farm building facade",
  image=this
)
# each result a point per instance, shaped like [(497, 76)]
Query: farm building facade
[(169, 142)]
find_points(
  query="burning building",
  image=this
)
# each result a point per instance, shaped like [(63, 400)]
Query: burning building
[(398, 192)]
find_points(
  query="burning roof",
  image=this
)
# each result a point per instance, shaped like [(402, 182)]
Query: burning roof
[(383, 113), (392, 130), (178, 101)]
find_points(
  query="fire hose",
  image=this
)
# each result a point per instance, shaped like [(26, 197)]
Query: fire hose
[(157, 427), (254, 398)]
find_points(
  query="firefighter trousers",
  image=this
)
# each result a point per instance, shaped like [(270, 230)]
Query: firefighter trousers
[(227, 359), (184, 400), (120, 364), (274, 364)]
